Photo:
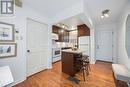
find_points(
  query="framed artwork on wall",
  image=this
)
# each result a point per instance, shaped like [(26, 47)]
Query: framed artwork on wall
[(8, 50), (6, 32), (18, 3)]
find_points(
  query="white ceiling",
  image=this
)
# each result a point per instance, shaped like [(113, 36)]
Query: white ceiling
[(72, 22), (50, 8), (95, 8)]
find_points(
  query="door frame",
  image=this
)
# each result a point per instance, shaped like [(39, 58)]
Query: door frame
[(112, 30), (26, 42)]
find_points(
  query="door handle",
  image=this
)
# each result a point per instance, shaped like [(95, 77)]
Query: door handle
[(28, 51)]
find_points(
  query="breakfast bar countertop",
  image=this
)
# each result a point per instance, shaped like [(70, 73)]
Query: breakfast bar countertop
[(73, 51)]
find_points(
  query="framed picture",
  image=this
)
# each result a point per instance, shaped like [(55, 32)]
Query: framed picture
[(18, 3), (6, 32), (8, 50)]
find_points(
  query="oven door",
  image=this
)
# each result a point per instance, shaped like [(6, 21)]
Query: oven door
[(56, 52)]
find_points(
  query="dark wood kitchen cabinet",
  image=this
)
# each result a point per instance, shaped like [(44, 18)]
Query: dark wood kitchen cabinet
[(83, 30), (55, 29), (66, 36), (62, 34)]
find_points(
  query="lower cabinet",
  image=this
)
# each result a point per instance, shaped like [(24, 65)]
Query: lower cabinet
[(70, 64)]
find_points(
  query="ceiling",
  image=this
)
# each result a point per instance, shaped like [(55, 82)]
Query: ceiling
[(96, 7), (51, 8), (72, 22)]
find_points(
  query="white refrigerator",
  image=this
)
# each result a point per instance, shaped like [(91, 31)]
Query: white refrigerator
[(84, 44)]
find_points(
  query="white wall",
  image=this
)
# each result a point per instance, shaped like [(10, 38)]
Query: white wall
[(92, 45), (87, 19), (113, 27), (18, 64), (122, 54)]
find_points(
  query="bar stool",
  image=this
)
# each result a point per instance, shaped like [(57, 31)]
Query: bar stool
[(85, 67), (82, 63)]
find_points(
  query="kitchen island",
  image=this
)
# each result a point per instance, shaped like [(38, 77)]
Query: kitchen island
[(70, 61)]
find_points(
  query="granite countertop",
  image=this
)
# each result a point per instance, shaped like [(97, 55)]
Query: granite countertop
[(73, 51)]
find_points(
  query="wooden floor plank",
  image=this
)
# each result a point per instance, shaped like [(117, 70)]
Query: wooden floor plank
[(100, 76)]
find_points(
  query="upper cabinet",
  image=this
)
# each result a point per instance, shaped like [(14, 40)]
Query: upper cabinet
[(83, 30), (73, 36), (66, 36), (55, 29), (63, 35)]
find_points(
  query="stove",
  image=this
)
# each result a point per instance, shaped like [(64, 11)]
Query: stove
[(56, 54)]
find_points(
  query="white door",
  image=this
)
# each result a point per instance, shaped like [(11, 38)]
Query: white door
[(37, 34), (104, 45)]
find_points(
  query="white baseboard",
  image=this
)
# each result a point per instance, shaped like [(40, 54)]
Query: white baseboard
[(16, 82), (49, 67), (19, 81), (92, 62)]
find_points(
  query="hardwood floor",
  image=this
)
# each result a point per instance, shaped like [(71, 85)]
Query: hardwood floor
[(100, 76)]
